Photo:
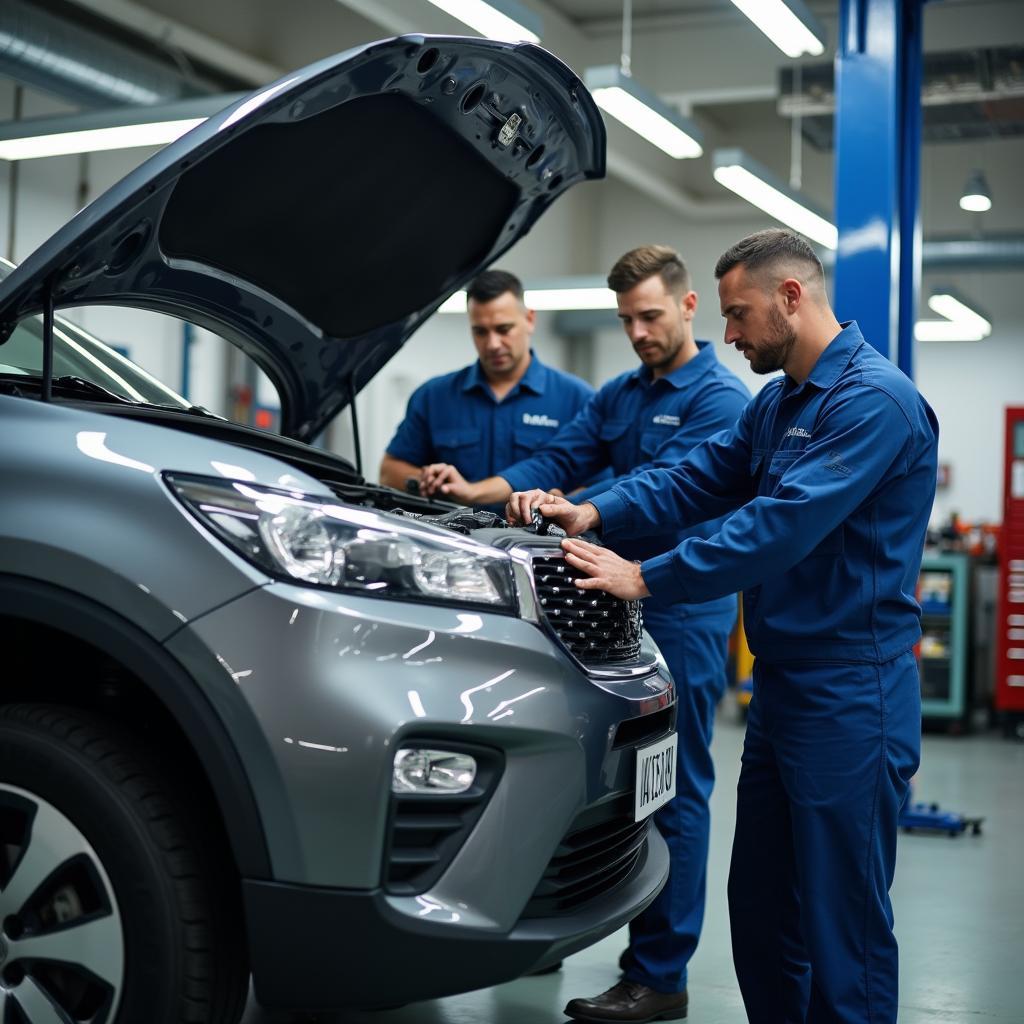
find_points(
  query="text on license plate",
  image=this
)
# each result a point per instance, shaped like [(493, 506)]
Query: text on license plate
[(655, 776)]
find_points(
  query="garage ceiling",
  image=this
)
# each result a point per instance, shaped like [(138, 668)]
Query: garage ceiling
[(700, 54)]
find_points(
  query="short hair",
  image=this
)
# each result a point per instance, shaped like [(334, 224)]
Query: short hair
[(769, 250), (486, 287), (639, 264)]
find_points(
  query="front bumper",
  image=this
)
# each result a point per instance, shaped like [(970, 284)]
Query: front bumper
[(323, 689), (324, 949)]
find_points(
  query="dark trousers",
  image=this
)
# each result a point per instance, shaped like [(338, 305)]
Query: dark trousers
[(663, 938), (829, 753)]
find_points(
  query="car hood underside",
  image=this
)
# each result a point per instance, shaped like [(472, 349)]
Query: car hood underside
[(318, 222)]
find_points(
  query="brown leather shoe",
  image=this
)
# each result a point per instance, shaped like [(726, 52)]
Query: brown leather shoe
[(629, 1001)]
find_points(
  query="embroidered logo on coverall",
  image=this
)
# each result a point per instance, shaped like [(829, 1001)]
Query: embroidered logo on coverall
[(835, 462), (538, 420)]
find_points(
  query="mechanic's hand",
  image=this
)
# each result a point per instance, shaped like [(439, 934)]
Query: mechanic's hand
[(441, 478), (574, 519), (607, 571)]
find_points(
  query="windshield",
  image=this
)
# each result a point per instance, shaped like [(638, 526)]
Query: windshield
[(77, 353)]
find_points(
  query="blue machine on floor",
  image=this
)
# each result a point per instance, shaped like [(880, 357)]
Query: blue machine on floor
[(920, 817)]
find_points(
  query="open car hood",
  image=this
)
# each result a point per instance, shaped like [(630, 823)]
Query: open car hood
[(318, 222)]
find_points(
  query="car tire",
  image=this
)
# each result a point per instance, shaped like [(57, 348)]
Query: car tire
[(117, 900)]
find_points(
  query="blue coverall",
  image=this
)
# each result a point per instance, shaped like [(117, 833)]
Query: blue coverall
[(455, 418), (633, 424), (830, 484)]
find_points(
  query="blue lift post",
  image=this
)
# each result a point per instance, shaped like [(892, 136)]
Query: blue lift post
[(878, 153), (878, 169)]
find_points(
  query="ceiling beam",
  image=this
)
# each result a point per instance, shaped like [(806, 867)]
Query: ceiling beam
[(173, 35)]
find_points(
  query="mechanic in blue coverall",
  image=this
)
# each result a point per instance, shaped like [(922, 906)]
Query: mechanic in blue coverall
[(829, 477), (494, 411), (652, 416)]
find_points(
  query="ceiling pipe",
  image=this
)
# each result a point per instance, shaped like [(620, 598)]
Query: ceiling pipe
[(54, 55), (973, 253), (194, 46), (998, 253), (964, 254)]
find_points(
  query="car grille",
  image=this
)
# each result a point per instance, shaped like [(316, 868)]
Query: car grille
[(425, 832), (595, 626), (602, 850)]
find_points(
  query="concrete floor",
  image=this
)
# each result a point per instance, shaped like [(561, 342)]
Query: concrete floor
[(959, 906)]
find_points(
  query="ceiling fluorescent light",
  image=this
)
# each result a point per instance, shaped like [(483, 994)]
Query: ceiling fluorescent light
[(788, 24), (454, 303), (495, 19), (749, 180), (123, 137), (558, 293), (962, 323), (121, 128), (643, 112), (600, 297)]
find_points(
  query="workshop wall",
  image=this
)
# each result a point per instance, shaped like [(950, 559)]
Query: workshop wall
[(968, 384)]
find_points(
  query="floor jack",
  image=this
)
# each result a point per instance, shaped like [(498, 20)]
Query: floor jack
[(930, 818)]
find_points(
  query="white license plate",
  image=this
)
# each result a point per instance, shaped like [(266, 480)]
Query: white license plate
[(655, 776)]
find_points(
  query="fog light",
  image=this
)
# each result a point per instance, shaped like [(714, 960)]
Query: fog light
[(432, 771)]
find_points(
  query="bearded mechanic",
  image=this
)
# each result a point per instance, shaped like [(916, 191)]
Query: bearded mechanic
[(827, 481)]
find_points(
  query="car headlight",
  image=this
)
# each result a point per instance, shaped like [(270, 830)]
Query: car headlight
[(301, 538)]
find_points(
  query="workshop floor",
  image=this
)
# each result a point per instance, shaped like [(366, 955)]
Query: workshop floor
[(959, 906)]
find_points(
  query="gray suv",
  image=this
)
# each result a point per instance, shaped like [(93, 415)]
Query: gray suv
[(256, 713)]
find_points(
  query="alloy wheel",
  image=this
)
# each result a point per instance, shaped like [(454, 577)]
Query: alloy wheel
[(62, 955)]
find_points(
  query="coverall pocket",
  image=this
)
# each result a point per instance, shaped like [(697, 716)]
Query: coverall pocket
[(781, 461), (453, 443), (651, 440), (526, 440), (615, 436)]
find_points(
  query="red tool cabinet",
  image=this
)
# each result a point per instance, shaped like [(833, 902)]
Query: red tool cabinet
[(1009, 690)]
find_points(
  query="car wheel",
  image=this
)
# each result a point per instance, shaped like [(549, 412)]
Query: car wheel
[(116, 905)]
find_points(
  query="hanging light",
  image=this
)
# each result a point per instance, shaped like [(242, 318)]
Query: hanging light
[(95, 130), (641, 111), (748, 179), (962, 320), (557, 293), (788, 24), (976, 197), (495, 19)]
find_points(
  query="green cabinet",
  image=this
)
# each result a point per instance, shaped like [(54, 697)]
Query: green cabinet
[(944, 597)]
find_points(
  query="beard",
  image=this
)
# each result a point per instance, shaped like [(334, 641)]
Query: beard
[(665, 352), (773, 351)]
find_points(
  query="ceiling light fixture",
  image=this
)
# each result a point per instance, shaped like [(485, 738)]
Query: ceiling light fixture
[(976, 197), (558, 293), (788, 24), (120, 128), (643, 112), (495, 19), (961, 323), (755, 183)]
